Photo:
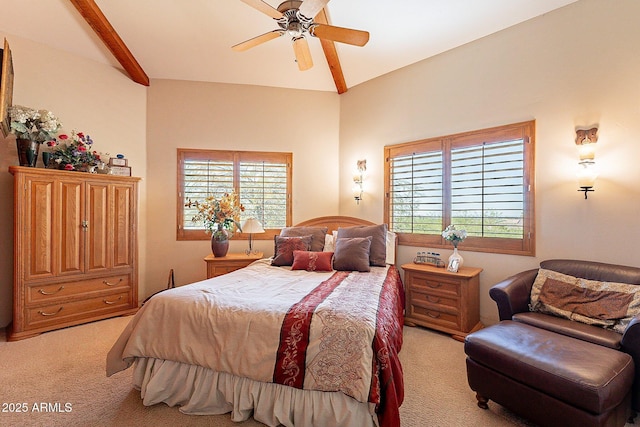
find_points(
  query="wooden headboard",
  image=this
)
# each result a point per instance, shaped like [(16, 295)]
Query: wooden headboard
[(334, 222)]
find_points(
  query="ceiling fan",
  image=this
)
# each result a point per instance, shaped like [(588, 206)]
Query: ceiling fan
[(296, 18)]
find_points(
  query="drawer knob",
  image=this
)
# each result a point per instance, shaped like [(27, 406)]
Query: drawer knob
[(111, 284), (42, 313), (43, 292), (112, 302), (433, 299), (435, 316), (434, 285)]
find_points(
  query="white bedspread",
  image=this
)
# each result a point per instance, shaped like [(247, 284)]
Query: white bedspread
[(233, 324)]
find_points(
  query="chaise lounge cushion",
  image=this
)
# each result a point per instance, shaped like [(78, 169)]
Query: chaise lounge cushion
[(585, 375)]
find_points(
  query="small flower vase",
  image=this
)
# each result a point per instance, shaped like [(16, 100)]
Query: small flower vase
[(46, 158), (455, 260), (220, 242), (27, 152)]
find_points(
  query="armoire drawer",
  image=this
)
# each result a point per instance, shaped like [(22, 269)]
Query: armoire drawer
[(38, 293), (72, 310)]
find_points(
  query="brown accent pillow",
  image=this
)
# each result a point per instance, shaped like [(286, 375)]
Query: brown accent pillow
[(317, 235), (378, 234), (284, 247), (312, 261), (352, 254), (606, 304)]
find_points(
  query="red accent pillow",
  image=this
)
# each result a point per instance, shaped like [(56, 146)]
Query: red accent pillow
[(312, 261), (284, 247)]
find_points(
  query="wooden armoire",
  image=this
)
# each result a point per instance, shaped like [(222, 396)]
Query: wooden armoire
[(75, 249)]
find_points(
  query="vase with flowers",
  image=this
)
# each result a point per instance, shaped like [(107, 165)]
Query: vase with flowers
[(73, 152), (219, 216), (455, 236), (32, 127)]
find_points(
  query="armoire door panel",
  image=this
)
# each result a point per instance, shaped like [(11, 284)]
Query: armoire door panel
[(71, 236), (122, 227), (97, 226), (40, 225)]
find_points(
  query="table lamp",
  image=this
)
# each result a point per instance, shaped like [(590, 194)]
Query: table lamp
[(251, 225)]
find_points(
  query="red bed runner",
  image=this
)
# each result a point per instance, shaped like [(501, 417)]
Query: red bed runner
[(294, 335), (387, 387)]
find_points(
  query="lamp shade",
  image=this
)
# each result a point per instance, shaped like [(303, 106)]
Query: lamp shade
[(252, 225)]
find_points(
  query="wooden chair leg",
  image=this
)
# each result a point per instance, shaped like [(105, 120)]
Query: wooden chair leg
[(482, 401)]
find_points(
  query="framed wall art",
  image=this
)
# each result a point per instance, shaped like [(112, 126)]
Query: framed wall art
[(6, 89)]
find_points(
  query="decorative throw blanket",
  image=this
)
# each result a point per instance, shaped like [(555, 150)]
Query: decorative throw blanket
[(334, 331)]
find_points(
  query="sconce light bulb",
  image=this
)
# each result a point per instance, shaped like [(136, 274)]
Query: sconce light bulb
[(587, 152)]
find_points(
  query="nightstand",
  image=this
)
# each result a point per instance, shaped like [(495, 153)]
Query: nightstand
[(442, 300), (217, 266)]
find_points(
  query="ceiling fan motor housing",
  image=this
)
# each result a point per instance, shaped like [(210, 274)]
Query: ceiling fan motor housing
[(292, 20)]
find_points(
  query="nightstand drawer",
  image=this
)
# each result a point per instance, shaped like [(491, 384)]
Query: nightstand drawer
[(431, 299), (435, 284), (432, 316), (217, 266)]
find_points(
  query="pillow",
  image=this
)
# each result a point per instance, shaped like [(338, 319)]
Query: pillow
[(352, 254), (329, 243), (312, 261), (606, 304), (391, 248), (378, 234), (316, 233), (284, 247)]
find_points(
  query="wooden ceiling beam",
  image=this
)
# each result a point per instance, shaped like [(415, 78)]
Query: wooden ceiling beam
[(331, 54), (103, 28)]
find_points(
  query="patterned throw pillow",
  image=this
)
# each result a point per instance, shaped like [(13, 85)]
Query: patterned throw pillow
[(284, 247), (312, 261), (606, 304)]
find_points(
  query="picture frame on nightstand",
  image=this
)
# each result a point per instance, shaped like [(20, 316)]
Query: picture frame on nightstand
[(454, 265)]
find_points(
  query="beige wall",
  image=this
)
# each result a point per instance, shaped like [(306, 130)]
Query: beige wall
[(87, 96), (184, 114), (574, 67)]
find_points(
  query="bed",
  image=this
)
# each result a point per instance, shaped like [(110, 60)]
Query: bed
[(286, 345)]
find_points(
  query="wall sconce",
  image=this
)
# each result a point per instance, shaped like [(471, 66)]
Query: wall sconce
[(586, 142), (251, 225), (358, 177)]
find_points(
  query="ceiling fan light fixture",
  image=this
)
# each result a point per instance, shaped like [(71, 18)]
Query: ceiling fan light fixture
[(295, 29)]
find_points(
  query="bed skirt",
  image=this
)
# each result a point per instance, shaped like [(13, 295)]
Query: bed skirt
[(201, 391)]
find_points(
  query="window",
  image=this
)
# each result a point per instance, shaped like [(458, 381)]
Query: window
[(481, 181), (261, 179)]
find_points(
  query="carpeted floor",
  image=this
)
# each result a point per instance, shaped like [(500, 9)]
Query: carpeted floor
[(58, 379)]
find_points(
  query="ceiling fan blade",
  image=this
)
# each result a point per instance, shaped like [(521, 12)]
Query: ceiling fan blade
[(310, 8), (339, 34), (248, 44), (264, 8), (303, 54)]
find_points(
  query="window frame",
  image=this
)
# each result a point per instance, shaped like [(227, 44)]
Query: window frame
[(236, 157), (523, 130)]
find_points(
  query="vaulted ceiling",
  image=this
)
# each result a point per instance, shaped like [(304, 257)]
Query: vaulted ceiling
[(192, 39)]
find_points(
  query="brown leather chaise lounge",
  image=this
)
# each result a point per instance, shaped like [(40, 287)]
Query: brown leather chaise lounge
[(555, 371)]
